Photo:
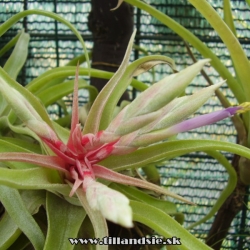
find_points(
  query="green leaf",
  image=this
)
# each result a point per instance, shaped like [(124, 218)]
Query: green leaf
[(48, 77), (9, 231), (62, 132), (168, 150), (152, 173), (16, 60), (86, 231), (228, 16), (138, 195), (64, 221), (73, 62), (7, 145), (236, 51), (52, 94), (238, 55), (10, 44), (33, 199), (34, 178), (18, 57), (8, 228), (26, 145), (14, 205), (165, 225), (22, 243)]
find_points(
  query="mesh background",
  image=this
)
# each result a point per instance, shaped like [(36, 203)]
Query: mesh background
[(194, 176)]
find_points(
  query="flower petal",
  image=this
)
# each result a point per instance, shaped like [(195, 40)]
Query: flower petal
[(201, 120), (196, 122)]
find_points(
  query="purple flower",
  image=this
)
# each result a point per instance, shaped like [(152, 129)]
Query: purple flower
[(183, 126), (202, 120)]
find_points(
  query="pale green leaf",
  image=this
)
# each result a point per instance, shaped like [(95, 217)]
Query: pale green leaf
[(165, 225), (138, 195), (26, 145), (10, 44), (117, 88), (14, 205), (7, 145), (228, 15), (9, 231), (34, 178), (64, 221), (168, 150), (8, 228), (52, 94), (18, 57)]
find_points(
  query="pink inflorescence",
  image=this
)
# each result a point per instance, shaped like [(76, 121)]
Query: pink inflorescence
[(80, 154)]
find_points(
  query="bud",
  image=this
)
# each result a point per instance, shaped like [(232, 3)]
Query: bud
[(113, 205)]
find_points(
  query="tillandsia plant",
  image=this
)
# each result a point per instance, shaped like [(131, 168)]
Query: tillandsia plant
[(74, 173)]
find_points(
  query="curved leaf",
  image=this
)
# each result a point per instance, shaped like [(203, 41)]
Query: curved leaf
[(8, 228), (34, 178), (9, 23), (134, 69), (7, 146), (165, 225), (64, 221), (228, 16), (40, 160), (237, 53), (113, 176), (52, 94), (138, 195), (168, 150), (9, 231), (73, 62), (49, 76), (14, 205), (18, 56), (10, 44)]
